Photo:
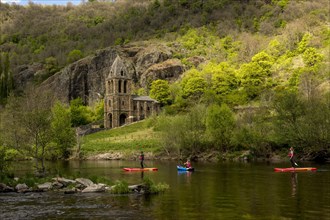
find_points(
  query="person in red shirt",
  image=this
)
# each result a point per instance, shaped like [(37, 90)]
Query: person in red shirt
[(292, 157)]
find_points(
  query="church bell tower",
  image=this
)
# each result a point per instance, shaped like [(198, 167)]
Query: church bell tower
[(117, 101)]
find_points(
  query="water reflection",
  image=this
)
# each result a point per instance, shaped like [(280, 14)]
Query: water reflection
[(186, 173), (218, 191), (294, 182)]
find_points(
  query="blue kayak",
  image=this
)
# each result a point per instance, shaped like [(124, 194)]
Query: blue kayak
[(181, 168)]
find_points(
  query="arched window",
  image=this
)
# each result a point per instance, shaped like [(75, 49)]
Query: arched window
[(119, 86), (125, 86), (110, 120)]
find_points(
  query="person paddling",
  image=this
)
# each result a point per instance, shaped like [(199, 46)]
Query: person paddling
[(292, 157), (141, 157), (187, 164)]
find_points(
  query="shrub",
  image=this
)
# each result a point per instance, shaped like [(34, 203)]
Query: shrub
[(152, 188), (120, 187)]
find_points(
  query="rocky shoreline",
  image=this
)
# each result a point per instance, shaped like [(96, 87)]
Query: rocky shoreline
[(69, 186)]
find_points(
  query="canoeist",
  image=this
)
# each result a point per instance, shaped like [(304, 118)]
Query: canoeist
[(187, 164)]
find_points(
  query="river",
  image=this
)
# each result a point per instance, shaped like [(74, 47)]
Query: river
[(229, 190)]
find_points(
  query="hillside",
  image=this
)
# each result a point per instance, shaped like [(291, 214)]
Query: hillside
[(230, 74)]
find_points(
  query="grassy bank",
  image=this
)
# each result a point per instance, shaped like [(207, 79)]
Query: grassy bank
[(129, 139)]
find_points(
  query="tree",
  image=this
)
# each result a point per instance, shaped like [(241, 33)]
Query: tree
[(98, 110), (303, 123), (194, 87), (80, 114), (51, 65), (6, 77), (74, 55), (219, 125), (224, 80), (183, 133), (256, 75), (27, 125), (13, 134), (36, 120), (160, 90), (63, 135)]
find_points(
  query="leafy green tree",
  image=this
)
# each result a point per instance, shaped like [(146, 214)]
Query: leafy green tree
[(10, 125), (172, 130), (193, 85), (51, 65), (224, 80), (183, 134), (304, 43), (80, 114), (194, 88), (256, 75), (97, 111), (303, 123), (160, 90), (26, 125), (37, 122), (220, 123), (63, 134), (310, 76), (141, 92), (315, 126), (311, 57), (254, 131), (289, 112), (74, 55), (192, 39)]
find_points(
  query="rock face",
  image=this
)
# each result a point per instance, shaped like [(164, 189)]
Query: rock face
[(86, 77)]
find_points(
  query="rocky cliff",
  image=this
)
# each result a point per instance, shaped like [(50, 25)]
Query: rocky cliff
[(86, 77)]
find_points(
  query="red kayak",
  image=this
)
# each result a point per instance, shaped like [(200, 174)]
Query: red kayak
[(140, 169), (293, 169)]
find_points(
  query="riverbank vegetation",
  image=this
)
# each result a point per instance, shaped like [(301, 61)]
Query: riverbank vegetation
[(257, 78)]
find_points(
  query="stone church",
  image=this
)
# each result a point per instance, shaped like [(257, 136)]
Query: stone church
[(120, 105)]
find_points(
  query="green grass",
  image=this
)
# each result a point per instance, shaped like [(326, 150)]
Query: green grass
[(128, 139)]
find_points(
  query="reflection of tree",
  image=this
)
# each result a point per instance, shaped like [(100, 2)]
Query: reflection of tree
[(294, 182)]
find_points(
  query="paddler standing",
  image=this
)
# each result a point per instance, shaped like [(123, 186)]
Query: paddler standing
[(141, 157), (292, 157)]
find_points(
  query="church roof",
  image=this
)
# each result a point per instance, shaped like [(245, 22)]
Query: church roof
[(118, 69)]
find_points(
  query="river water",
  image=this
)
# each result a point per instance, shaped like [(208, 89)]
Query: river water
[(230, 190)]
